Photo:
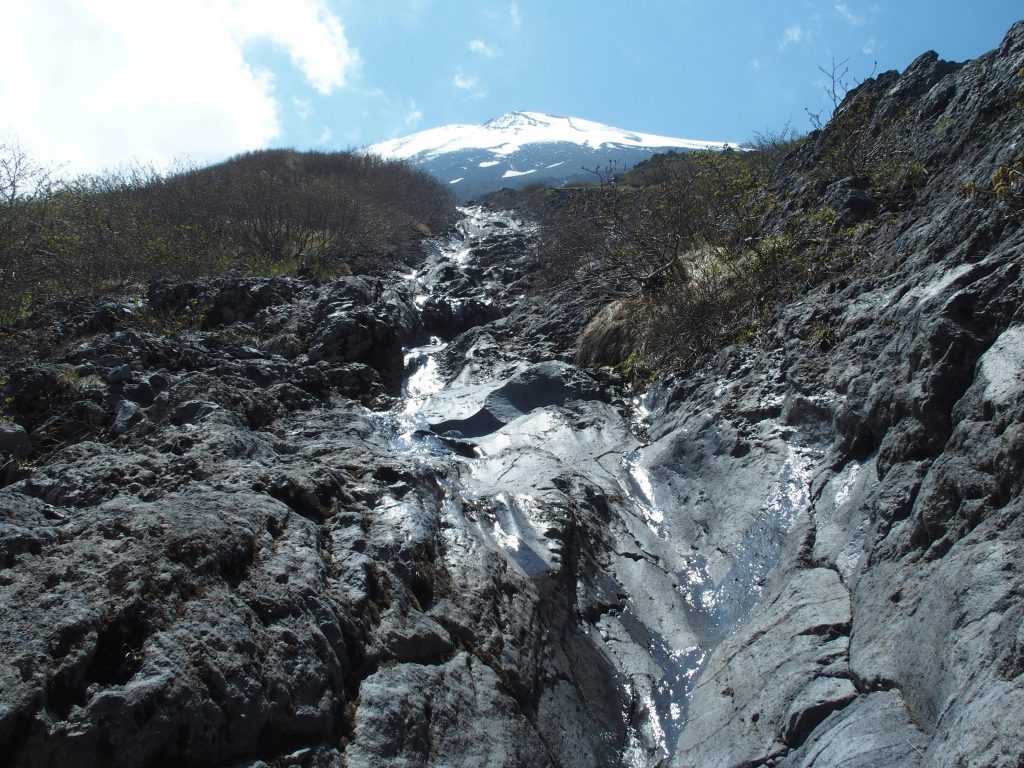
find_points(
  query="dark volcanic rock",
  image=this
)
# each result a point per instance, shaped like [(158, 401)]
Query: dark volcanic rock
[(218, 556), (457, 711), (914, 509), (155, 596), (14, 441), (849, 198)]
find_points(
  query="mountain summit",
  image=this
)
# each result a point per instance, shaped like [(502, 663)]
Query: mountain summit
[(520, 148)]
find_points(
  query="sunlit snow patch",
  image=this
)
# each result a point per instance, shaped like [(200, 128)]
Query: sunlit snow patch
[(640, 490)]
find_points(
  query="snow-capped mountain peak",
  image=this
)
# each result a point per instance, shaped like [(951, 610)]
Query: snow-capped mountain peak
[(516, 145), (509, 132), (515, 120)]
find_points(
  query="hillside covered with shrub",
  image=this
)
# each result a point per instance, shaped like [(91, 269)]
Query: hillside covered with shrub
[(687, 253), (264, 213)]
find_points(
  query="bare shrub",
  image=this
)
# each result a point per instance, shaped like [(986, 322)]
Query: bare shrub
[(266, 212)]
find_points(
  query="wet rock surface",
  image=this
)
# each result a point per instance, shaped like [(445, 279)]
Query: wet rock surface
[(230, 536), (258, 522)]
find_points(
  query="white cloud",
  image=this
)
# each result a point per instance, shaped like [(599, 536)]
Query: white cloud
[(470, 84), (157, 80), (312, 35), (513, 13), (870, 46), (792, 36), (401, 116), (755, 65), (847, 15), (465, 82), (413, 116), (479, 46), (303, 108)]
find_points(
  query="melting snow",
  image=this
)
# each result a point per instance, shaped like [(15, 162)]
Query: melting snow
[(510, 174)]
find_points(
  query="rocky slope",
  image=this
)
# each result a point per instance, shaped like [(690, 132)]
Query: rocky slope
[(389, 523), (890, 631)]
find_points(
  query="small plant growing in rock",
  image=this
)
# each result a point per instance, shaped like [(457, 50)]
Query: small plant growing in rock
[(746, 336), (1008, 185), (71, 379), (969, 188), (823, 336), (5, 403)]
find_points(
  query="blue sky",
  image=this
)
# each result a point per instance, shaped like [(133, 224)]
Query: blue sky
[(154, 80)]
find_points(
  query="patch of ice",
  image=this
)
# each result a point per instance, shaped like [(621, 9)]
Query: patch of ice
[(923, 293), (1003, 366), (489, 163), (852, 472), (456, 181), (507, 540), (641, 410), (512, 174), (640, 490), (423, 376), (721, 605), (655, 724)]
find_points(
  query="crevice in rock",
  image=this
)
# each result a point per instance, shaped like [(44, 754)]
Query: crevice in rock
[(803, 722), (827, 631), (874, 685), (114, 659)]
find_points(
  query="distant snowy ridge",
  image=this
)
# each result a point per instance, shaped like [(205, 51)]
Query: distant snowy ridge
[(523, 148), (511, 132)]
